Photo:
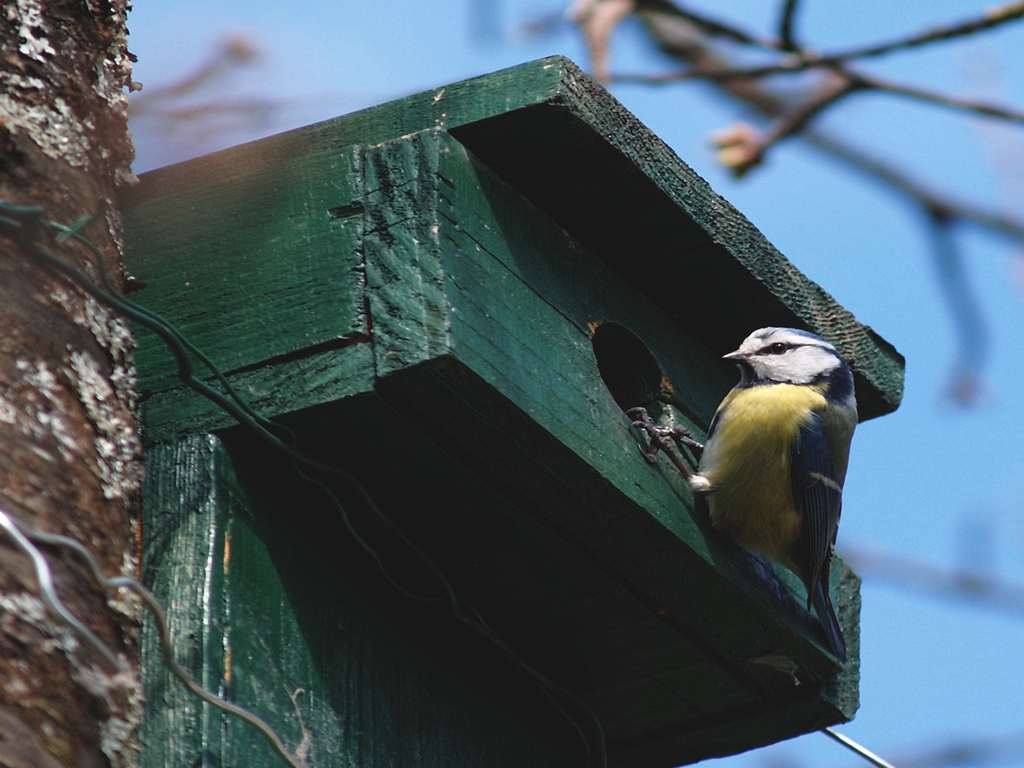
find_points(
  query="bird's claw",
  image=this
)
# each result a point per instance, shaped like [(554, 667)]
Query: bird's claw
[(657, 433), (658, 438)]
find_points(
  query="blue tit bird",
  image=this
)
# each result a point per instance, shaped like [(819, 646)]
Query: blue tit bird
[(776, 455)]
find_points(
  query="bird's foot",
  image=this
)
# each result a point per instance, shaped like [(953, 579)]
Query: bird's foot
[(658, 437)]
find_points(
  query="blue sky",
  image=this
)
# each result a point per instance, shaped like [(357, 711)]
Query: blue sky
[(924, 481)]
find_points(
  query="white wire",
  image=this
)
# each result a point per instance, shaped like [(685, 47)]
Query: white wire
[(24, 536), (49, 595), (852, 745)]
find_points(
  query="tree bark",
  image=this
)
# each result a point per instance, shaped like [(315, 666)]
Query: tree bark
[(69, 449)]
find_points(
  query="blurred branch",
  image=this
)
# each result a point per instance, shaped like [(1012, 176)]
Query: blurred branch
[(678, 35), (992, 18), (597, 19), (718, 71), (786, 40), (742, 147), (697, 41), (928, 578), (863, 82), (800, 59), (978, 751), (176, 106), (704, 23), (234, 52), (981, 751), (917, 192), (254, 108), (920, 94), (674, 33), (964, 385)]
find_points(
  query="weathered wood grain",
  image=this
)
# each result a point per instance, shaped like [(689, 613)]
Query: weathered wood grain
[(287, 616), (251, 268)]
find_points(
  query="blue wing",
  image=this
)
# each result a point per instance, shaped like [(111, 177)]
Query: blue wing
[(818, 494)]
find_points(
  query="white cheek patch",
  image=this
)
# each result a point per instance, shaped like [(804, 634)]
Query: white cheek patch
[(800, 365)]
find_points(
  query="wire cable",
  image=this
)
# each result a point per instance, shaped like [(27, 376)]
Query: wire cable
[(48, 594), (853, 746), (24, 536)]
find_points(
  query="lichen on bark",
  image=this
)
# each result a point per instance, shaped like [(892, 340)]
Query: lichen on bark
[(69, 449)]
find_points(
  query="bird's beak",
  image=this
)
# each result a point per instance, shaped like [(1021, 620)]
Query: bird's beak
[(737, 355)]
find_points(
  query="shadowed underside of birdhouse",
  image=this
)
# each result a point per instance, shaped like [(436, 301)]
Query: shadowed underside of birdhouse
[(411, 290)]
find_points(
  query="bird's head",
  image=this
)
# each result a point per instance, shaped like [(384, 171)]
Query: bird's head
[(791, 356)]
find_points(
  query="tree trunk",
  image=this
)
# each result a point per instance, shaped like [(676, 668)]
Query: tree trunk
[(69, 450)]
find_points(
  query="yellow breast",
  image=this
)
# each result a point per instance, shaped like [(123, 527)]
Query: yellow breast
[(747, 463)]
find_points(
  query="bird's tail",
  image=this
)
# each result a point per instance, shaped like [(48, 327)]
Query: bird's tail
[(829, 620)]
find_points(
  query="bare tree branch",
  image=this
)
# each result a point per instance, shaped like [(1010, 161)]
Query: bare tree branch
[(915, 191), (928, 578), (920, 94), (803, 60), (992, 18), (867, 82), (787, 40), (955, 283), (706, 24), (690, 38), (794, 120), (233, 52), (977, 751), (742, 148), (677, 36), (806, 59), (194, 108), (242, 109), (597, 19)]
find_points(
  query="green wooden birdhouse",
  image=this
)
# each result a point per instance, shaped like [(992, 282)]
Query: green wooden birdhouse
[(481, 569)]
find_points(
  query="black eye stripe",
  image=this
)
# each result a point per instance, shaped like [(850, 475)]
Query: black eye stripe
[(778, 348), (781, 347)]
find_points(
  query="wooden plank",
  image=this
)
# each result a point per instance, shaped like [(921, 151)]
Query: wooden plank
[(551, 601), (405, 291), (177, 530), (291, 618), (251, 268), (272, 390), (480, 330), (695, 605), (558, 608)]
